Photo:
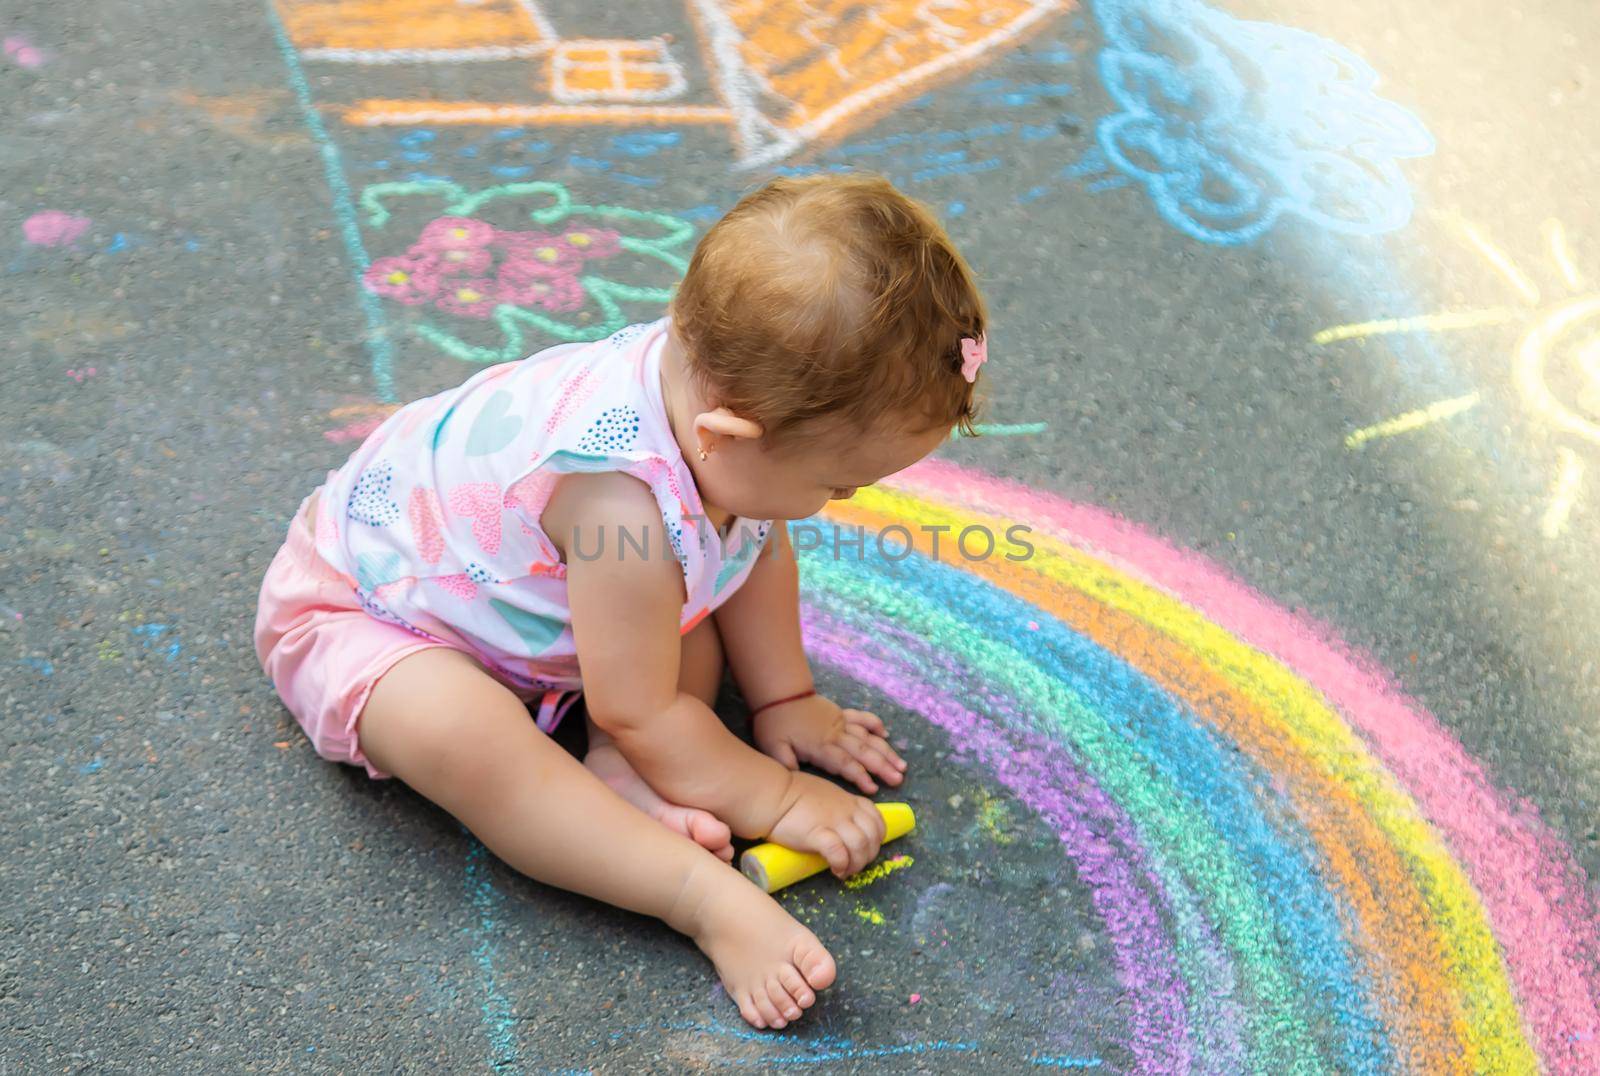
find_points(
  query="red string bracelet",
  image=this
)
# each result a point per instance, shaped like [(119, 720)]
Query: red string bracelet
[(780, 702)]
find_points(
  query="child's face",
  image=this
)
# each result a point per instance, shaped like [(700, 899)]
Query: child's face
[(749, 479)]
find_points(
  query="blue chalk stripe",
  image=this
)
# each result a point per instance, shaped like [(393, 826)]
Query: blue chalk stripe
[(378, 346)]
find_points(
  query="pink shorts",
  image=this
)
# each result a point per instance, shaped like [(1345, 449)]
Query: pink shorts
[(324, 653)]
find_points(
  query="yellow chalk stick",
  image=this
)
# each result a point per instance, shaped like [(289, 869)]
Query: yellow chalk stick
[(772, 866)]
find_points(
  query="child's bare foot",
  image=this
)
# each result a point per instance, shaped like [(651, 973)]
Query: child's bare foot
[(701, 827), (770, 965)]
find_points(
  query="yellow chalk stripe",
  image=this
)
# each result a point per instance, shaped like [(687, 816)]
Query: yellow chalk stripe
[(1413, 420), (1491, 1031), (1440, 322), (1557, 237), (992, 816), (1501, 262), (1534, 351), (1569, 479), (1398, 941)]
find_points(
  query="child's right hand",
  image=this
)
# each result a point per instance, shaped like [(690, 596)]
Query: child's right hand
[(841, 827)]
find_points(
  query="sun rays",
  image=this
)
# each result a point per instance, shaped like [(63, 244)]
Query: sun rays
[(1555, 366)]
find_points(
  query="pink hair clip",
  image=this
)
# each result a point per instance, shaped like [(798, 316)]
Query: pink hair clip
[(974, 353)]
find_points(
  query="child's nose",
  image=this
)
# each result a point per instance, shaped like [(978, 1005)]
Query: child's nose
[(844, 493)]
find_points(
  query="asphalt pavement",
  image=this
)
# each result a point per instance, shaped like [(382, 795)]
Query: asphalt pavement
[(1296, 340)]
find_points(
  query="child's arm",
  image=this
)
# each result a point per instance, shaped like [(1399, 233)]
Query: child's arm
[(625, 621), (760, 629)]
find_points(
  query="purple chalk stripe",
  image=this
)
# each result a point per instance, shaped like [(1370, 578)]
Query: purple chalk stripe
[(1048, 782)]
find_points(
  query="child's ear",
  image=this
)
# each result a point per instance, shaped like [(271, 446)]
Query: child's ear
[(713, 429)]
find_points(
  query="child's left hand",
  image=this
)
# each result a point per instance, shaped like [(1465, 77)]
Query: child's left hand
[(849, 743)]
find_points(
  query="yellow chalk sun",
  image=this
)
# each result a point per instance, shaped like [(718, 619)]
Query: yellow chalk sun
[(1568, 330)]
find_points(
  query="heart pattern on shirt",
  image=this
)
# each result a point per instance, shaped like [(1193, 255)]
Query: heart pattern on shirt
[(427, 523), (656, 470), (616, 430), (481, 503), (458, 585), (464, 585), (369, 500), (573, 394), (526, 499), (626, 335), (378, 574), (733, 564), (394, 588), (493, 429), (375, 569), (532, 492), (538, 632), (421, 412)]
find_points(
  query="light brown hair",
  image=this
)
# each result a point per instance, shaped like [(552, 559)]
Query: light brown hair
[(831, 297)]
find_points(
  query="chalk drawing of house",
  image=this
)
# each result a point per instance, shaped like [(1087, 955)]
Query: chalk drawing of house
[(779, 75)]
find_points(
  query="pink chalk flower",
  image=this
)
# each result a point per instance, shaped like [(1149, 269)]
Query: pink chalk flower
[(527, 282), (461, 261), (53, 228), (403, 278), (453, 233), (592, 242), (474, 298), (539, 248)]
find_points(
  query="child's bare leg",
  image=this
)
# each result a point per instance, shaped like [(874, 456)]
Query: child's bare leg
[(702, 827), (699, 674), (440, 723)]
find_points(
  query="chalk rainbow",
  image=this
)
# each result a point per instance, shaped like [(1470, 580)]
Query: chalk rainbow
[(1297, 868)]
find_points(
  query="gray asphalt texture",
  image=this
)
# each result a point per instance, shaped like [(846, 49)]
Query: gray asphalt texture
[(187, 887)]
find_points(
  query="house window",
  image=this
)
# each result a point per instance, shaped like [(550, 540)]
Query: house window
[(591, 70)]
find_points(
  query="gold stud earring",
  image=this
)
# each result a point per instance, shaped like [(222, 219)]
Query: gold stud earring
[(702, 455)]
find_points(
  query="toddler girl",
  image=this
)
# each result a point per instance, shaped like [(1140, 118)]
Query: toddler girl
[(600, 517)]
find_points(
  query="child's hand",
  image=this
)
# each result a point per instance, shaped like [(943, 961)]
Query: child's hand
[(841, 827), (849, 743)]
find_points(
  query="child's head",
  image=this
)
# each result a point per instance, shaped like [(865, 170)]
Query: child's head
[(822, 322)]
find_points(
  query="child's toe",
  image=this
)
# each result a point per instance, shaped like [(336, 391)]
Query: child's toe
[(747, 1009), (769, 1011), (711, 832), (816, 964), (782, 999), (701, 827), (796, 985)]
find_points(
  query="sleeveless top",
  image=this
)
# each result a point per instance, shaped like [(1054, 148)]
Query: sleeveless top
[(434, 519)]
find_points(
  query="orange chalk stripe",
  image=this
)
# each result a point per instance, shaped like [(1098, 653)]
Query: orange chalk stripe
[(379, 112), (389, 25)]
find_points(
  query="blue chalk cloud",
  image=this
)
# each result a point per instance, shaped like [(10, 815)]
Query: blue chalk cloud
[(1229, 124)]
